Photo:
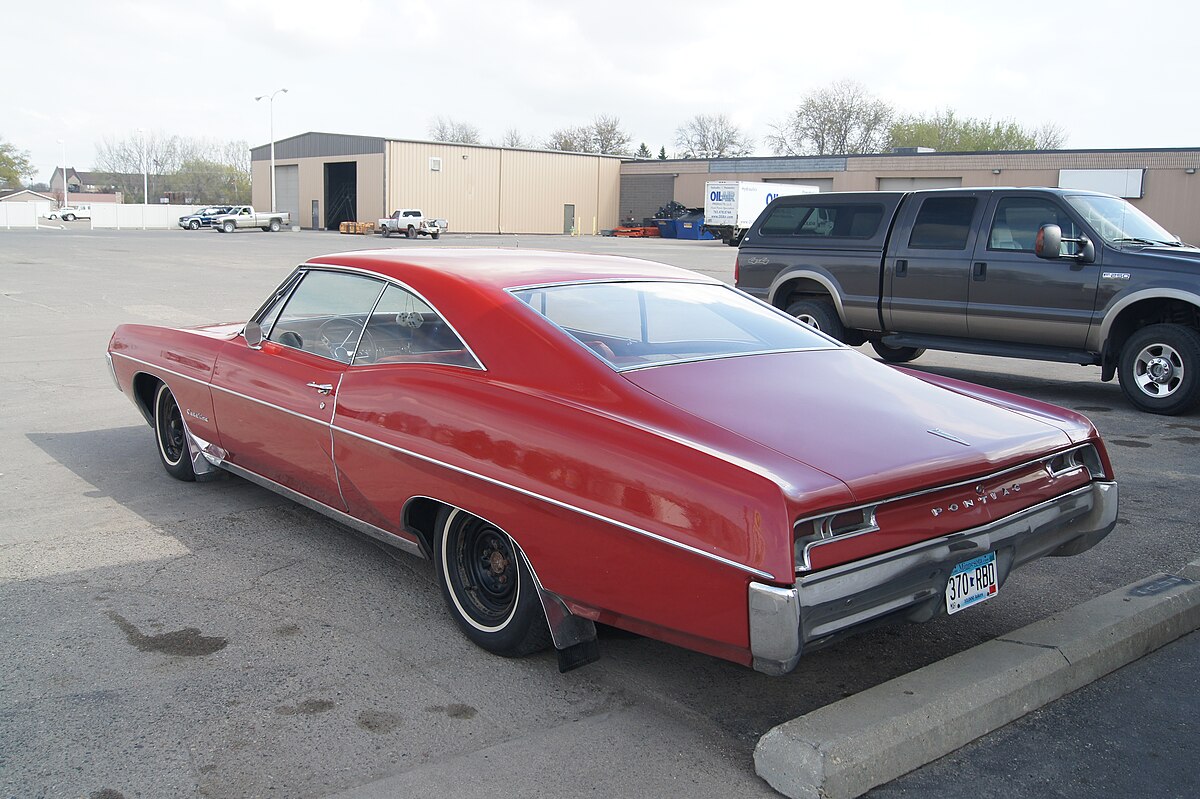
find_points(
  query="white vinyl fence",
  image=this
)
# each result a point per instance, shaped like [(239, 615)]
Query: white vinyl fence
[(104, 215)]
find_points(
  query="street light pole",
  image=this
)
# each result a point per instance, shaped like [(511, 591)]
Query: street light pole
[(145, 170), (271, 103), (64, 171)]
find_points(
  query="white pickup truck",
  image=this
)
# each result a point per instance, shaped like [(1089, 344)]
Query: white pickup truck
[(412, 223), (244, 216)]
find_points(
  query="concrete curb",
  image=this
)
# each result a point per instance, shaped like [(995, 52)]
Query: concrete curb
[(843, 750)]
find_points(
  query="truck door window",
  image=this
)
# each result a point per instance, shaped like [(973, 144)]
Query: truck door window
[(943, 223), (1017, 220)]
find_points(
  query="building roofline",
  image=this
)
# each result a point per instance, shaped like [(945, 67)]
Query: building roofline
[(931, 154), (442, 143)]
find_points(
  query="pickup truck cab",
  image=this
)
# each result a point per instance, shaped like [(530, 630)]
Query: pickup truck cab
[(1050, 274), (244, 216), (204, 217)]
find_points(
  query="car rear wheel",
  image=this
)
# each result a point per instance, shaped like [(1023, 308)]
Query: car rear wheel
[(69, 218), (1160, 369), (411, 232), (436, 234), (229, 227), (487, 586), (821, 315), (171, 436), (897, 354), (194, 224), (276, 225)]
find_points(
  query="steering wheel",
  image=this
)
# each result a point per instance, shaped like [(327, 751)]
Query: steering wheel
[(340, 334)]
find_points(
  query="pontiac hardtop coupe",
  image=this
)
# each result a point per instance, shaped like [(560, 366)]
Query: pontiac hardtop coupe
[(577, 439)]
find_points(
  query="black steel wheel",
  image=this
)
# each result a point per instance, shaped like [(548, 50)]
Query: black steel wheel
[(1159, 369), (411, 232), (819, 314), (487, 586), (897, 354), (171, 436), (435, 234), (69, 218)]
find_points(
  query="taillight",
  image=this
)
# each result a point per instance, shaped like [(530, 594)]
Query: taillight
[(737, 270)]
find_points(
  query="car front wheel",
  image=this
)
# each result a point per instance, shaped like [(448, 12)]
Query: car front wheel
[(171, 436), (228, 227), (819, 314), (487, 586), (194, 224), (1160, 369)]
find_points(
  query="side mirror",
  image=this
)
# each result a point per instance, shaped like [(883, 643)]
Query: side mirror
[(1048, 243), (253, 335)]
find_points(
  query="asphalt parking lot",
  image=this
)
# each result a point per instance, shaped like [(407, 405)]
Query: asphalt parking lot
[(171, 639)]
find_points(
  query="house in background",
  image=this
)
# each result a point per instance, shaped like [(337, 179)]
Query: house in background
[(89, 187), (24, 196)]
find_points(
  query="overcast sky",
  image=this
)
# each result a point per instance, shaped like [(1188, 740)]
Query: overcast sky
[(1110, 74)]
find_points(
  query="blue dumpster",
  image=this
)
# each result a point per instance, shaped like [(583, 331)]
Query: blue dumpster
[(691, 227), (666, 228)]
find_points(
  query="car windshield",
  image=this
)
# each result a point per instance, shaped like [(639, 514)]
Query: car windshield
[(1118, 221), (637, 324)]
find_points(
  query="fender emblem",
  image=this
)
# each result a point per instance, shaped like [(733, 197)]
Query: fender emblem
[(195, 415), (1114, 275)]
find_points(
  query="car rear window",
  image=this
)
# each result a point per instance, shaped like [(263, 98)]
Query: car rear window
[(859, 221), (636, 324), (943, 223)]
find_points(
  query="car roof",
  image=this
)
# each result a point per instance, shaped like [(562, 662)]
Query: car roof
[(507, 268)]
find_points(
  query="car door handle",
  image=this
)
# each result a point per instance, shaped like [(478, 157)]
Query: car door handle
[(901, 268), (979, 271), (322, 388)]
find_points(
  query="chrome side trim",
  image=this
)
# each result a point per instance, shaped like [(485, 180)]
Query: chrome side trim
[(398, 540), (560, 504), (533, 495), (337, 473)]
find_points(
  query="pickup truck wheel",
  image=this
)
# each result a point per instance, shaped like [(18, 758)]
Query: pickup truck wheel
[(1160, 369), (276, 225), (69, 217), (194, 224), (821, 315), (229, 227), (435, 235), (386, 231), (487, 585), (411, 232), (897, 354), (171, 436)]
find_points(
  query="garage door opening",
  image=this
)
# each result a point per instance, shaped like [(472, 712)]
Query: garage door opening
[(341, 194)]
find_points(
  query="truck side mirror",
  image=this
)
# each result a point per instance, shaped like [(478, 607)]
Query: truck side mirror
[(1048, 243)]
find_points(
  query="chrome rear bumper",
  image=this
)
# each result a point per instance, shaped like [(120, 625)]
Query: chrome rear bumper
[(824, 605)]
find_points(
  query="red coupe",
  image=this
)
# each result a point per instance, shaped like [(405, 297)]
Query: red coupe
[(577, 439)]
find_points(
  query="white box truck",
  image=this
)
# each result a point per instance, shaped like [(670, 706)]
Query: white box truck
[(731, 206)]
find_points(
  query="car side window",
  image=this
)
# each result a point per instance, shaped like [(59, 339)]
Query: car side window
[(405, 329), (943, 223), (325, 314), (1017, 220)]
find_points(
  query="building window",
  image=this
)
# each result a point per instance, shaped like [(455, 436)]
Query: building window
[(435, 164)]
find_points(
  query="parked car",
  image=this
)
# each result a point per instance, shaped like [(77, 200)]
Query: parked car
[(574, 439), (204, 217), (241, 217), (412, 223), (69, 213), (1051, 274)]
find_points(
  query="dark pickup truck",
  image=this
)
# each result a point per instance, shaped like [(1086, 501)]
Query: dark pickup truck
[(1050, 274)]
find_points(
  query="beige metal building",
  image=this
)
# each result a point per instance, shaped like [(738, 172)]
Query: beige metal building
[(1162, 182), (324, 179)]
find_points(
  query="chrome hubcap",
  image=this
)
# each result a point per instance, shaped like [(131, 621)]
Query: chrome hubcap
[(1158, 370), (809, 320)]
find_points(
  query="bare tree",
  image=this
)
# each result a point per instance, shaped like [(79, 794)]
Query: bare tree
[(712, 136), (1049, 137), (126, 161), (603, 135), (202, 170), (448, 130), (515, 138), (842, 119)]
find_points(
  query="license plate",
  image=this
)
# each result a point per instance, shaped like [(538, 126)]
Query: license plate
[(971, 582)]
